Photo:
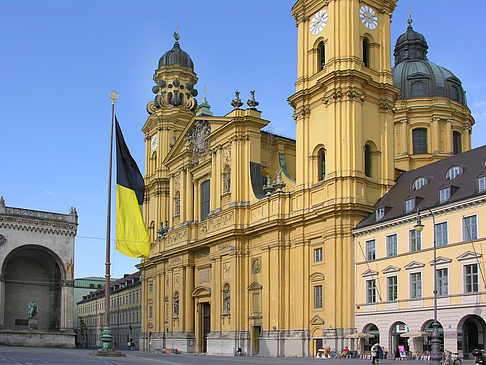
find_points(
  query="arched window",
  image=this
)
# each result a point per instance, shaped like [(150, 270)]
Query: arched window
[(322, 56), (457, 142), (419, 140), (152, 231), (322, 164), (226, 298), (176, 304), (366, 52), (205, 200), (367, 160), (177, 204), (418, 183), (453, 172)]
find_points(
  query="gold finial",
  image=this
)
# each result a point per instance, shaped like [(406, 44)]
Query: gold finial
[(409, 21), (204, 91), (113, 96)]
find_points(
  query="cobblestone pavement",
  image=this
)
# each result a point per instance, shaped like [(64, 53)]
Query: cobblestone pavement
[(35, 356)]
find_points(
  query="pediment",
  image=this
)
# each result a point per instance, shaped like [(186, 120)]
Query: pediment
[(369, 272), (414, 265), (317, 276), (390, 269), (201, 291), (469, 255), (316, 320), (441, 260), (198, 130), (255, 286)]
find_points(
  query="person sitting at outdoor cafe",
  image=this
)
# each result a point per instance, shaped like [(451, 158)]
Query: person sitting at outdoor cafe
[(345, 352)]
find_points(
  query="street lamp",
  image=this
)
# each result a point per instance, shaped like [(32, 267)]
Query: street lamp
[(435, 353)]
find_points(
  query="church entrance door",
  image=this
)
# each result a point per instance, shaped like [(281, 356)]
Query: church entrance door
[(255, 340), (206, 325)]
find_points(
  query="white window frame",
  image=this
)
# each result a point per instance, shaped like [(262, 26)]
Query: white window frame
[(410, 240), (447, 235), (387, 288), (463, 228), (409, 205), (379, 213), (386, 244), (318, 255), (443, 199), (366, 290), (367, 250), (448, 282), (464, 278), (410, 285), (481, 184)]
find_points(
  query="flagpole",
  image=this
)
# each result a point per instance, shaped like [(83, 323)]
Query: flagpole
[(107, 338)]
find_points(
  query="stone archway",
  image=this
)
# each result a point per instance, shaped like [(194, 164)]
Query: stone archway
[(32, 272), (471, 334), (371, 329)]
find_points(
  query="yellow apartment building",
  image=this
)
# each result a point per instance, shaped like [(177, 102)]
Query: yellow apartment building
[(394, 262), (125, 312)]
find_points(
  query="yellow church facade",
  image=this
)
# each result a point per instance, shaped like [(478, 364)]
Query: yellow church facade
[(252, 244)]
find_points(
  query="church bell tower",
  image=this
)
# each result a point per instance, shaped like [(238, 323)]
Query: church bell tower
[(171, 110), (345, 96), (343, 105)]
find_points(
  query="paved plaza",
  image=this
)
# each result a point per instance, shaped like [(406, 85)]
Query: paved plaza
[(31, 356)]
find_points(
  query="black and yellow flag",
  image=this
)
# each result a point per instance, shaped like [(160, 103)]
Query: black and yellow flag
[(132, 237)]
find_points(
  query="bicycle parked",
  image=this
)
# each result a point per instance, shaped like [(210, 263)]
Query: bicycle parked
[(451, 358)]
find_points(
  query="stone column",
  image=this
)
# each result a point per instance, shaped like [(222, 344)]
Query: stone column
[(404, 126), (67, 307), (435, 135), (2, 301), (188, 301), (448, 136)]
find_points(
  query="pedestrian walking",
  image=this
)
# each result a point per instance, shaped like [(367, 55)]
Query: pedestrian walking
[(376, 352)]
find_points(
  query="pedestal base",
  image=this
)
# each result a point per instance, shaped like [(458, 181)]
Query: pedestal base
[(33, 324), (107, 353)]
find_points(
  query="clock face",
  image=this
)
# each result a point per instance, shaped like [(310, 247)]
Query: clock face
[(368, 17), (153, 143), (318, 22)]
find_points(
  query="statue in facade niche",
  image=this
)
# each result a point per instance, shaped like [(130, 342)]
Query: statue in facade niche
[(177, 205), (176, 306), (33, 309), (227, 181)]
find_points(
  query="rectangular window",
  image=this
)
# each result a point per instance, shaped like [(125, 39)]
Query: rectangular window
[(416, 285), (371, 291), (442, 282), (370, 250), (318, 254), (318, 297), (150, 311), (419, 140), (409, 205), (392, 245), (444, 194), (482, 184), (380, 213), (204, 200), (471, 278), (441, 234), (392, 288), (150, 288), (415, 241), (470, 226)]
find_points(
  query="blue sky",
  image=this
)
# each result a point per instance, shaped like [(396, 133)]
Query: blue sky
[(60, 59)]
